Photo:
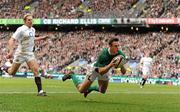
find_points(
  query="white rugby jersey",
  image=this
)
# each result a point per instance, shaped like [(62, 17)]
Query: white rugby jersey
[(25, 37), (146, 62)]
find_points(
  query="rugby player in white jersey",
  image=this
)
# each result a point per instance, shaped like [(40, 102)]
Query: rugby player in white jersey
[(145, 65), (25, 37)]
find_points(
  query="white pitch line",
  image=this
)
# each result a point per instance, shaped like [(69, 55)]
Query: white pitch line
[(115, 92)]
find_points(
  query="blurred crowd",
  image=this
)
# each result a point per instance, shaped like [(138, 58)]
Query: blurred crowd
[(90, 8), (161, 8), (63, 48)]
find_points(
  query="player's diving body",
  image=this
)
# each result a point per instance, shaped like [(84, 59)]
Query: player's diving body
[(101, 70)]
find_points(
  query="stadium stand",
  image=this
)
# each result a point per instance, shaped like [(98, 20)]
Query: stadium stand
[(163, 46), (90, 8), (62, 48)]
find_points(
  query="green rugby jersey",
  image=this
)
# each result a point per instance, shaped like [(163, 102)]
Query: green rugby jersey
[(105, 58)]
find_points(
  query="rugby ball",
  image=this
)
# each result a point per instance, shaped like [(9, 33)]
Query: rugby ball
[(120, 61)]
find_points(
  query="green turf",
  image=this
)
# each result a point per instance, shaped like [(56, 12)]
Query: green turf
[(63, 97)]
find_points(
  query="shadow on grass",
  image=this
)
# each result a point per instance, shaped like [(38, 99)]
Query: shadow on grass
[(104, 102)]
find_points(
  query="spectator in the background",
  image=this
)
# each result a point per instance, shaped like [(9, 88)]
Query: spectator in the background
[(163, 46), (90, 8)]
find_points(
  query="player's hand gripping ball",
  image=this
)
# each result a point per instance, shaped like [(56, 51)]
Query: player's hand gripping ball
[(120, 61)]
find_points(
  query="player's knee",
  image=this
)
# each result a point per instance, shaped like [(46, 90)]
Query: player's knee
[(35, 71), (145, 76), (10, 72), (103, 92), (81, 90)]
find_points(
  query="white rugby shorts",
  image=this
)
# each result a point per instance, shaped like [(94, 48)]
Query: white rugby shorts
[(92, 75), (21, 58)]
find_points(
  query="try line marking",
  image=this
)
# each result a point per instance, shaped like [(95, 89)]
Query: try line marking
[(72, 92)]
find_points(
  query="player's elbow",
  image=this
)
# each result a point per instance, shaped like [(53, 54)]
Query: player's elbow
[(123, 71)]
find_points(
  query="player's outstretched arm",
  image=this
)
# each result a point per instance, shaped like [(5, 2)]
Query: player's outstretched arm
[(41, 37)]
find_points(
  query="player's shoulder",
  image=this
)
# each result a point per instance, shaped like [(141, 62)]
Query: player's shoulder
[(150, 59), (21, 28), (33, 29), (105, 50), (120, 52)]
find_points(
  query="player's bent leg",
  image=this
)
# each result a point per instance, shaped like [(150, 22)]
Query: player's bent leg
[(13, 69), (103, 81), (91, 76), (33, 65), (18, 59), (103, 86), (145, 76), (90, 89), (67, 76), (83, 87), (143, 81)]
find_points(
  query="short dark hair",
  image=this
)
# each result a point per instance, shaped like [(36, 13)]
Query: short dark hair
[(113, 40)]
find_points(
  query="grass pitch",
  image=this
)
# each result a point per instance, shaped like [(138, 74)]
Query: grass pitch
[(19, 95)]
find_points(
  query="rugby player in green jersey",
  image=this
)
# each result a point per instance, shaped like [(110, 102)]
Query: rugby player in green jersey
[(101, 70)]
